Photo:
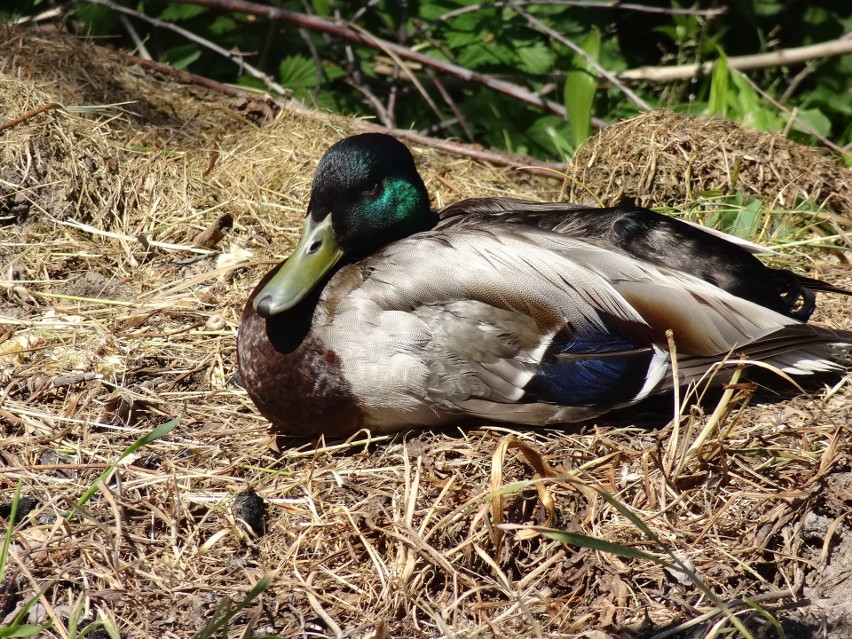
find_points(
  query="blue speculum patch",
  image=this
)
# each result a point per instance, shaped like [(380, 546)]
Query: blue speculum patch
[(590, 368)]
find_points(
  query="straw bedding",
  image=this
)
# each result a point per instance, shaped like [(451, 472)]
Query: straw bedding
[(113, 323)]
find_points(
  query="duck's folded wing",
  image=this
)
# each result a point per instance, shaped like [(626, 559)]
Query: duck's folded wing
[(528, 325), (711, 255)]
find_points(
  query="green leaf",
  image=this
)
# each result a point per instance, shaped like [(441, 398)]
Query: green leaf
[(178, 12), (745, 99), (322, 7), (768, 8), (333, 71), (26, 630), (18, 629), (535, 59), (553, 134), (813, 118), (462, 39), (10, 527), (98, 19), (479, 54), (181, 57), (718, 102), (298, 73), (593, 543), (223, 25), (580, 87), (747, 220)]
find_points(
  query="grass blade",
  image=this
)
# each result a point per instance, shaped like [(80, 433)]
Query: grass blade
[(154, 435), (224, 612), (718, 102), (580, 87)]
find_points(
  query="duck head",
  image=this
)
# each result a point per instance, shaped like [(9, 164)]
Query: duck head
[(366, 193)]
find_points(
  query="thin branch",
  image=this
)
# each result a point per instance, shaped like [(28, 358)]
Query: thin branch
[(448, 99), (393, 90), (317, 60), (552, 170), (140, 45), (797, 79), (185, 77), (360, 12), (443, 125), (189, 35), (30, 114), (50, 14), (383, 45), (382, 113), (783, 57), (538, 24), (347, 32)]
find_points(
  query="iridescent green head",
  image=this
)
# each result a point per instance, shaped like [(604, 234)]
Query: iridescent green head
[(366, 193)]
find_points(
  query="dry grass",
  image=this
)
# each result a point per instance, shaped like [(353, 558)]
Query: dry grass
[(112, 324), (663, 157)]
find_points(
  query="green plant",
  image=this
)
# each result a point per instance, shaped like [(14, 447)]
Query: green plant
[(18, 626), (523, 44), (581, 85)]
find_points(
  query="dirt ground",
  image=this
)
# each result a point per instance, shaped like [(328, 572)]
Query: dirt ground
[(114, 323)]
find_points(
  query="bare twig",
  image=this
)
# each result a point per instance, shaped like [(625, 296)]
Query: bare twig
[(360, 12), (315, 56), (795, 55), (185, 77), (347, 32), (448, 99), (551, 170), (140, 45), (49, 14), (797, 79), (30, 114), (381, 112), (538, 24), (400, 64), (189, 35)]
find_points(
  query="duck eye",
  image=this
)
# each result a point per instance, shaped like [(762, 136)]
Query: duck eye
[(372, 191), (314, 247)]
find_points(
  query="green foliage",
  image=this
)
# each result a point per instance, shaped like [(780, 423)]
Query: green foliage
[(181, 57), (509, 44), (7, 537), (580, 87), (740, 218), (178, 12), (298, 73), (718, 102)]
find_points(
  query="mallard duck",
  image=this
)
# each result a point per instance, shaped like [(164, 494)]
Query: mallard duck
[(389, 315)]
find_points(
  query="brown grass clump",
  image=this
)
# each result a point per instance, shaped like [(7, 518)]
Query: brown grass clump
[(113, 324), (662, 157)]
